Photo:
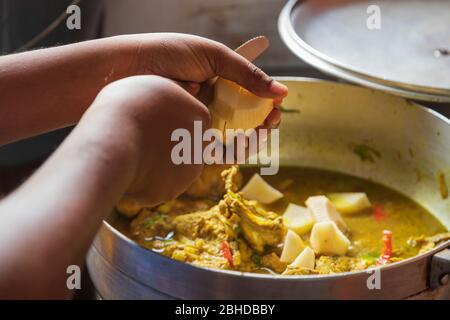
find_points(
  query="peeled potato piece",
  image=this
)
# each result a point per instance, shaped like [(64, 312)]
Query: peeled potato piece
[(350, 202), (292, 247), (259, 190), (234, 107), (327, 239), (298, 219), (306, 259), (323, 210)]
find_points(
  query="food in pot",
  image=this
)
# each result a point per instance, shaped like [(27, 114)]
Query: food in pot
[(300, 222)]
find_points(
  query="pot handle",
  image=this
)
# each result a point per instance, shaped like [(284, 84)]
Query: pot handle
[(440, 269)]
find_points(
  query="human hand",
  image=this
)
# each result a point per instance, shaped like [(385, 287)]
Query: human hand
[(137, 115), (196, 60)]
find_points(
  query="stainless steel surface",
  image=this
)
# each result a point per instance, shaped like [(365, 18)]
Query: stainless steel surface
[(333, 118), (440, 269), (402, 57)]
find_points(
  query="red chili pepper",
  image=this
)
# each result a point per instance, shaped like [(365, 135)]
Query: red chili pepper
[(378, 212), (387, 251), (226, 252)]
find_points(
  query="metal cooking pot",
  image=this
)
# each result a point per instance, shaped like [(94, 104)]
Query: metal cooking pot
[(414, 143)]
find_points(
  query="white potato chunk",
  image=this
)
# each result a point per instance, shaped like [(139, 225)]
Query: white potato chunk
[(259, 190), (298, 219), (234, 107), (323, 210), (327, 239), (292, 247), (350, 202), (306, 259)]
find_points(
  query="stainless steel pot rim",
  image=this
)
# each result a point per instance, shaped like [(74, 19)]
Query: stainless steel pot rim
[(328, 65), (306, 79)]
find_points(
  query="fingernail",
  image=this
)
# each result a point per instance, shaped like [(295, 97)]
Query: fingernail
[(273, 117), (278, 88), (277, 102), (275, 124)]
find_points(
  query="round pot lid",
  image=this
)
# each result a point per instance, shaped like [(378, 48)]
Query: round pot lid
[(400, 46)]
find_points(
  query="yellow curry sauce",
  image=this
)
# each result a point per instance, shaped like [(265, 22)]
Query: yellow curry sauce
[(155, 228), (404, 217)]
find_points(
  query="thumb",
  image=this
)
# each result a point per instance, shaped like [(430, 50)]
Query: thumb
[(232, 66)]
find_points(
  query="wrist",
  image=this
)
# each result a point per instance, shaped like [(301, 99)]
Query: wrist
[(110, 142), (129, 51)]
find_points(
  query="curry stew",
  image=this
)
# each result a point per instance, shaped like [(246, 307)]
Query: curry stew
[(300, 221)]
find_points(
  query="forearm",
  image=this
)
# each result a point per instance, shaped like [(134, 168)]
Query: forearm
[(47, 89), (59, 209)]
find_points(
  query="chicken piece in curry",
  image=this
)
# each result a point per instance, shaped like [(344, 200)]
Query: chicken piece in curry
[(300, 222)]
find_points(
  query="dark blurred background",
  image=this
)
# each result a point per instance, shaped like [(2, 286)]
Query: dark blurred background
[(22, 22), (229, 21)]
